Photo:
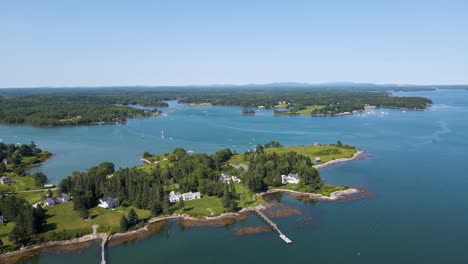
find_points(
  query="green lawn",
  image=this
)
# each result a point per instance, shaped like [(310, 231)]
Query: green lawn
[(63, 217), (245, 196), (325, 152), (20, 183), (309, 109), (31, 160), (199, 207), (5, 230), (33, 197)]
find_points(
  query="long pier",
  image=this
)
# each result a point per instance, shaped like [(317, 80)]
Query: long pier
[(272, 224)]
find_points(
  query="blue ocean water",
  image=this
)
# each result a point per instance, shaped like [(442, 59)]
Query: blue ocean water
[(416, 167)]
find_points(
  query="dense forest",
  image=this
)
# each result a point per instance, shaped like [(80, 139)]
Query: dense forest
[(28, 220), (72, 109), (79, 106), (188, 172)]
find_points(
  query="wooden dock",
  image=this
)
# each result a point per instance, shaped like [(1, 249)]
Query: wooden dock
[(272, 224)]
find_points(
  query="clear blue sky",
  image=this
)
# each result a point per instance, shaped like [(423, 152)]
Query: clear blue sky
[(94, 43)]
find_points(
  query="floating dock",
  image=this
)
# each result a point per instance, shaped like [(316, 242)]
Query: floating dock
[(267, 220)]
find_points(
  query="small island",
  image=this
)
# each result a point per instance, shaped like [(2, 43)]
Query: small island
[(181, 184)]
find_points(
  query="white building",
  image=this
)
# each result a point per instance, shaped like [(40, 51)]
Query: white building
[(317, 159), (49, 202), (175, 197), (62, 198), (224, 177), (108, 202), (290, 178)]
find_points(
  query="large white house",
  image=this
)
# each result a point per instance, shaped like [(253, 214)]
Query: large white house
[(175, 197), (108, 202), (226, 178), (290, 178)]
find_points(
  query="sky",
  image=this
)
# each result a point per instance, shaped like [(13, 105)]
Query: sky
[(118, 43)]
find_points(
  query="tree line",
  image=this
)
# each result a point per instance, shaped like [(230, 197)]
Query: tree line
[(55, 107)]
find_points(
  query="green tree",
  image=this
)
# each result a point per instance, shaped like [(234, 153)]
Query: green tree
[(84, 213), (181, 203), (146, 155), (123, 224), (2, 167), (226, 196), (132, 218), (39, 178)]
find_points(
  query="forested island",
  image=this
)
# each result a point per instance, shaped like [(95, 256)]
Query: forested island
[(178, 183), (79, 106), (73, 108)]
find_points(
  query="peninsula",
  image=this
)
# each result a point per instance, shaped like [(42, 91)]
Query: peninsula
[(170, 185)]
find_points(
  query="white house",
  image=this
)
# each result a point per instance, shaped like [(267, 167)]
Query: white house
[(175, 197), (317, 159), (224, 177), (49, 202), (62, 198), (5, 180), (290, 178), (5, 161), (108, 202), (191, 196)]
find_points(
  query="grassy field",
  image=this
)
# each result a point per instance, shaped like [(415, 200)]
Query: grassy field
[(199, 207), (20, 183), (309, 109), (325, 152), (5, 230), (245, 196), (63, 217), (325, 189)]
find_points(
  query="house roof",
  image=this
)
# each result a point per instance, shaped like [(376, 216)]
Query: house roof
[(109, 199), (295, 176)]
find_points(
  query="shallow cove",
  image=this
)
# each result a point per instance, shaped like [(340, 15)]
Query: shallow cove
[(416, 168)]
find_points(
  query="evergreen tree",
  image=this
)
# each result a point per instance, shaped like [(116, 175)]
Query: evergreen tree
[(181, 203), (132, 218), (84, 213), (123, 223), (226, 196)]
